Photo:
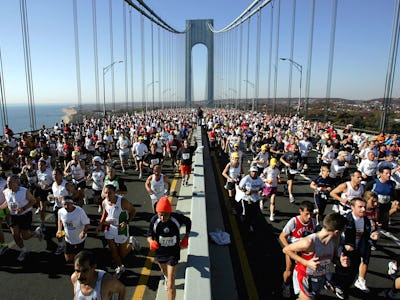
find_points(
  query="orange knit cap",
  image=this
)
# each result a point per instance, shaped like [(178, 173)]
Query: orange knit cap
[(163, 205)]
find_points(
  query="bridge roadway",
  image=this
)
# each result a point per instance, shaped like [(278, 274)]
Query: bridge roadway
[(250, 268)]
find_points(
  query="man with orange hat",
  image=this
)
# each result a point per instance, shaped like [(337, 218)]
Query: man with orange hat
[(164, 237)]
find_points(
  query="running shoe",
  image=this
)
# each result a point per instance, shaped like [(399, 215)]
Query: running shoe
[(165, 283), (140, 175), (291, 199), (339, 292), (329, 286), (99, 209), (272, 217), (39, 233), (22, 255), (119, 270), (361, 285)]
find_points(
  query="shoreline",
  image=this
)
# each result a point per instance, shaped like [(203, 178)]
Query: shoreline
[(69, 113)]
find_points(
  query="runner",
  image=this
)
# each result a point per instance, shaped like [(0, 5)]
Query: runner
[(117, 213), (164, 238), (91, 283), (73, 224), (156, 186), (295, 229), (20, 202), (315, 255)]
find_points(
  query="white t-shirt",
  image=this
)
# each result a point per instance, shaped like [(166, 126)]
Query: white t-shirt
[(73, 223)]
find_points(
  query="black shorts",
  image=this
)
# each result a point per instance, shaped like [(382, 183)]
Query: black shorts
[(168, 260), (290, 176), (23, 222), (74, 249), (80, 185), (42, 194)]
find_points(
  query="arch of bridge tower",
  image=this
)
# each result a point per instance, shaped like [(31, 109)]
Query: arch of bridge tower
[(198, 32)]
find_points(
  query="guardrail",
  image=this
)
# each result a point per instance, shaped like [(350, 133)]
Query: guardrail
[(197, 275)]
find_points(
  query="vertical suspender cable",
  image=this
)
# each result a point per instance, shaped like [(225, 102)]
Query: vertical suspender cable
[(159, 64), (391, 66), (3, 108), (96, 55), (331, 53), (235, 65), (125, 54), (293, 27), (144, 103), (310, 48), (257, 75), (131, 57), (240, 62), (28, 65), (271, 33), (278, 18), (77, 58), (247, 63), (152, 66), (110, 11)]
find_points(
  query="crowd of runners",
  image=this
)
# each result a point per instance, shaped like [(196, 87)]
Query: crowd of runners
[(357, 173), (72, 165)]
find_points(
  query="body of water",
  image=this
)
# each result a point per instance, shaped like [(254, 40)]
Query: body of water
[(46, 114)]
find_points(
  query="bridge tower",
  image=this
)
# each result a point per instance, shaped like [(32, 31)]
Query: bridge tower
[(198, 32)]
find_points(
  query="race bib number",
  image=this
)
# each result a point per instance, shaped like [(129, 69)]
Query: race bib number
[(185, 156), (323, 267), (167, 241)]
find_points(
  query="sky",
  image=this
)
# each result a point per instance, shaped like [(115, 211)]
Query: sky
[(363, 36)]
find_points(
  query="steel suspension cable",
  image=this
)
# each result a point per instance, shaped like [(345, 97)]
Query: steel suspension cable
[(77, 58), (95, 55), (159, 63), (309, 60), (278, 19), (3, 103), (144, 104), (131, 56), (247, 63), (293, 27), (240, 61), (152, 66), (110, 12), (28, 64), (125, 54), (271, 33), (257, 75), (391, 66), (331, 53)]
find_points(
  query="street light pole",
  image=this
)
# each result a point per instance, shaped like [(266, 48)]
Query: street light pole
[(105, 70), (299, 67)]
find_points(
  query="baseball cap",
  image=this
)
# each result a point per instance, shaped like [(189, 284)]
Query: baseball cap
[(273, 161), (343, 153), (67, 200), (163, 205), (98, 159), (264, 147), (75, 153), (235, 155), (253, 169)]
